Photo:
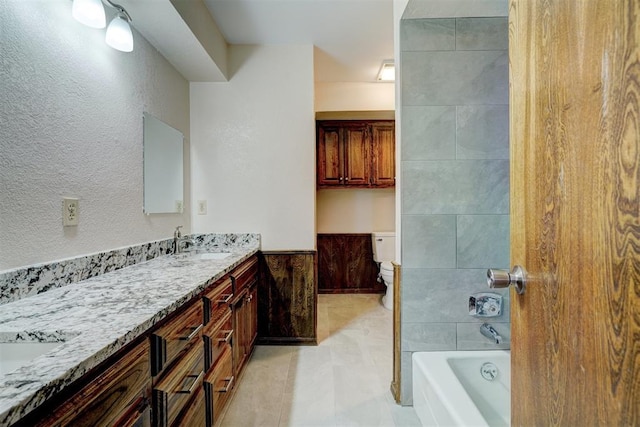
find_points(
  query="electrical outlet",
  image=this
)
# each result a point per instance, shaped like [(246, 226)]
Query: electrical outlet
[(202, 207), (70, 211), (179, 206)]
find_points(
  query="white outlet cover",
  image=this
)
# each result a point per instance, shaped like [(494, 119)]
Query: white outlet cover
[(202, 207), (70, 211)]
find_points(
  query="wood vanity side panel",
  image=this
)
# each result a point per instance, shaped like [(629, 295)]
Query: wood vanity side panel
[(287, 297), (345, 264)]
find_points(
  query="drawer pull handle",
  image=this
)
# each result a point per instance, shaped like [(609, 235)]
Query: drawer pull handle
[(194, 332), (227, 336), (194, 383), (229, 381), (226, 299)]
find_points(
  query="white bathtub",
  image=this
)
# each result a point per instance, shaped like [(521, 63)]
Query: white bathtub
[(449, 389)]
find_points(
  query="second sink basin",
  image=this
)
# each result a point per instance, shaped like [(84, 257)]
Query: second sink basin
[(211, 255)]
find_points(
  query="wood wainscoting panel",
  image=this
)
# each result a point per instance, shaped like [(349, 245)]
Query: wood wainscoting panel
[(345, 264), (287, 297)]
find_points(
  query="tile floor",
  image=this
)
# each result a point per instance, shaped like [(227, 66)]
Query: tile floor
[(344, 381)]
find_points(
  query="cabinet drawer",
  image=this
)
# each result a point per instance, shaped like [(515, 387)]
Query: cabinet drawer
[(245, 275), (168, 341), (218, 385), (217, 337), (217, 302), (195, 412), (119, 393), (181, 382)]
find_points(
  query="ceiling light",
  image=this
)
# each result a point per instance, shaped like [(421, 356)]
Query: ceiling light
[(89, 13), (387, 71), (119, 34)]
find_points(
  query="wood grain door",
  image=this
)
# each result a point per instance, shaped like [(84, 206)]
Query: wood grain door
[(383, 152), (575, 211), (357, 146), (330, 155)]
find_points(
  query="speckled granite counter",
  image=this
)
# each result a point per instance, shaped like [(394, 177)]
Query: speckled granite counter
[(95, 318)]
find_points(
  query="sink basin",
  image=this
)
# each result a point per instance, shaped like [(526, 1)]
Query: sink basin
[(14, 355), (211, 255)]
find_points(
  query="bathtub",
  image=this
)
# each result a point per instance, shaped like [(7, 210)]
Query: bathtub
[(450, 389)]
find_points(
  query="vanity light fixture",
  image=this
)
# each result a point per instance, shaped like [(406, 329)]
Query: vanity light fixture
[(387, 71), (91, 13)]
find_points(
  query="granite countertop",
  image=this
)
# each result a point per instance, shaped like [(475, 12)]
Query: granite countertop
[(94, 318)]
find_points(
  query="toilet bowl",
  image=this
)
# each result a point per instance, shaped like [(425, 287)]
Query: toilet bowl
[(386, 273), (384, 246)]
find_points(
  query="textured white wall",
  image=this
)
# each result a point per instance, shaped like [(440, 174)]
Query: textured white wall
[(355, 210), (253, 147), (71, 125)]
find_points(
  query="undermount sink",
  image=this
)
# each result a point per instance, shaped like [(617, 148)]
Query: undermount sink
[(213, 255), (14, 355), (205, 255)]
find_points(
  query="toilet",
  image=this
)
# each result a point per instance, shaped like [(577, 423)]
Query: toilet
[(384, 251)]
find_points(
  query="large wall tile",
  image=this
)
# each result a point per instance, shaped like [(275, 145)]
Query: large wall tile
[(442, 295), (428, 34), (455, 78), (455, 187), (483, 241), (482, 33), (429, 241), (482, 132), (406, 385), (470, 338), (429, 133), (428, 336)]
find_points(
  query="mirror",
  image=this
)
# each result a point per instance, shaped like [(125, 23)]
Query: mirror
[(163, 167)]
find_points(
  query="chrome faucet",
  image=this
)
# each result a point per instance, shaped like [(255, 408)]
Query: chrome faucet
[(490, 332), (178, 240)]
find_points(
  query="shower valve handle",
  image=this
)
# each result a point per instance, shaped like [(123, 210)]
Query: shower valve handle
[(517, 278)]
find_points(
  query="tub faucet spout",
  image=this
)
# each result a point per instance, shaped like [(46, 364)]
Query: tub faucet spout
[(489, 331)]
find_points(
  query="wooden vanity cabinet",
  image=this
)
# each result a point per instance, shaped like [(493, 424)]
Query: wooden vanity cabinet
[(355, 153), (119, 395), (181, 373)]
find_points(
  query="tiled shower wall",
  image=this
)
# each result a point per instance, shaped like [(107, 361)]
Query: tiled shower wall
[(455, 180)]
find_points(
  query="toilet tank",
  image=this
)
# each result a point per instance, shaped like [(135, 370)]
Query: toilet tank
[(384, 245)]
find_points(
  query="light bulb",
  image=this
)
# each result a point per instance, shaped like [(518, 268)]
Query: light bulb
[(119, 34), (89, 13)]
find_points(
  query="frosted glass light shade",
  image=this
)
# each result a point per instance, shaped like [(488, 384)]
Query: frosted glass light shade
[(89, 13), (119, 34)]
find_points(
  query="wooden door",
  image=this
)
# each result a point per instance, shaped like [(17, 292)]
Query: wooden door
[(383, 136), (330, 155), (357, 145), (575, 211)]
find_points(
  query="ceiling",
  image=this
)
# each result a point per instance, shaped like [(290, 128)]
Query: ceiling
[(352, 37)]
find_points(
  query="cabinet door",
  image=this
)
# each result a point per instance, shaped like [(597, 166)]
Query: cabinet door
[(384, 156), (240, 336), (252, 318), (330, 155), (357, 161)]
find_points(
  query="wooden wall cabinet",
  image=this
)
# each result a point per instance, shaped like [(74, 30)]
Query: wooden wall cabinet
[(355, 153)]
